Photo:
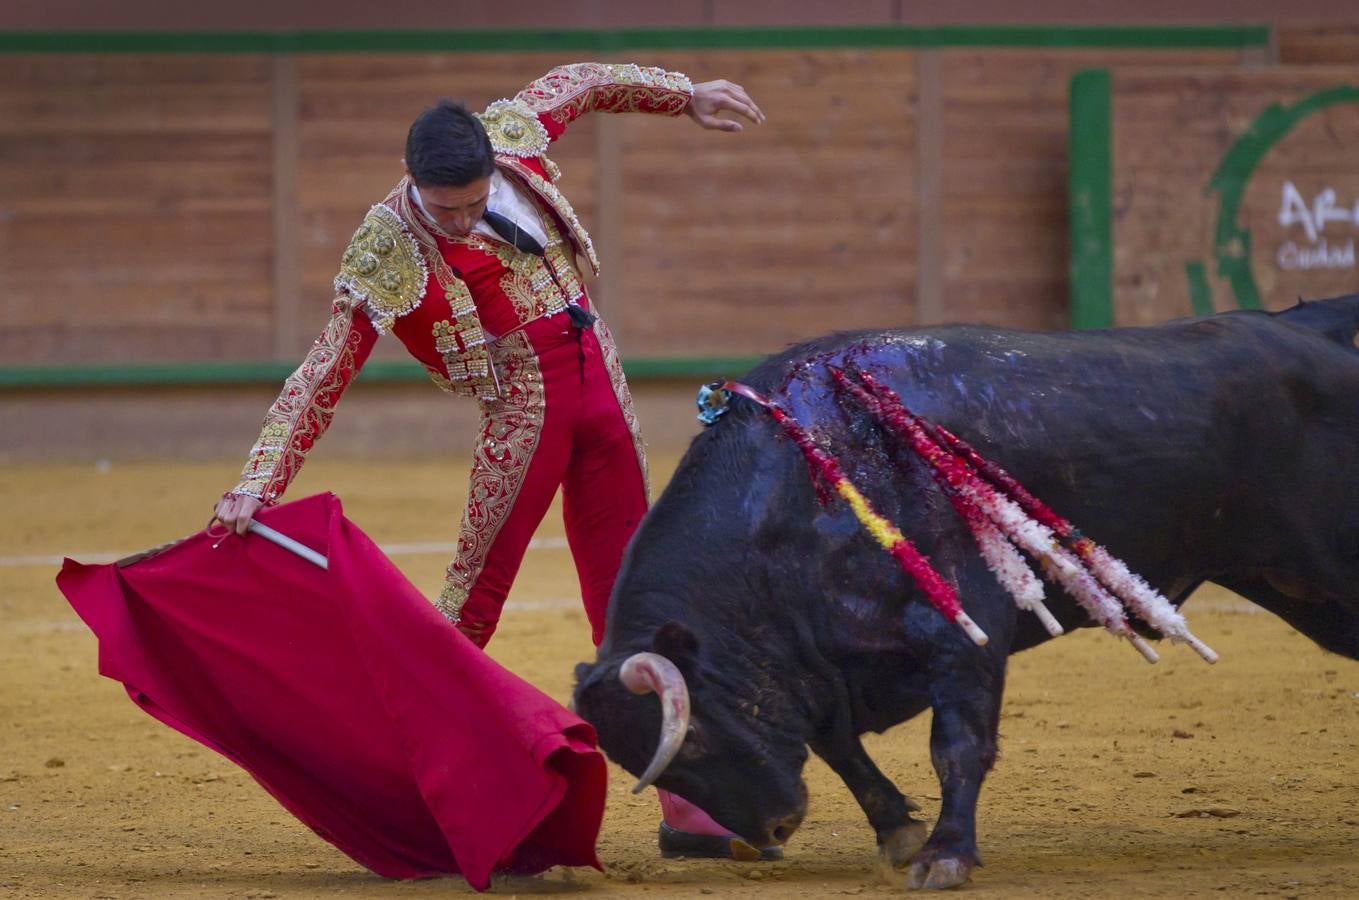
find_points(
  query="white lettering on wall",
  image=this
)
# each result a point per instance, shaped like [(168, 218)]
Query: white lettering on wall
[(1321, 255), (1317, 253)]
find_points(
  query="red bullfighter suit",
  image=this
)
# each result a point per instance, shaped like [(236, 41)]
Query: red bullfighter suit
[(490, 321)]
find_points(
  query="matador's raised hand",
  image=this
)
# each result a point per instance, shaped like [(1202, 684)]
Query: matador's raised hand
[(712, 97)]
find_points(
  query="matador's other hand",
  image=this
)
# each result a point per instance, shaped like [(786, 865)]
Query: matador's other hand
[(712, 97), (236, 510)]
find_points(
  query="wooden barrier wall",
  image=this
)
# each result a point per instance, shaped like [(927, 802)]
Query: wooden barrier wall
[(1333, 44), (1233, 189), (1003, 244), (136, 220), (180, 207)]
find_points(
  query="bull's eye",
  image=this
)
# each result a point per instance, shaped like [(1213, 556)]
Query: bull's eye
[(693, 742)]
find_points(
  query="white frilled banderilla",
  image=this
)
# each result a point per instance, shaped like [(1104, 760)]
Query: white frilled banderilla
[(1003, 517)]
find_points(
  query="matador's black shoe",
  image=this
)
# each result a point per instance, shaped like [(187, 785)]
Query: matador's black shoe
[(676, 844)]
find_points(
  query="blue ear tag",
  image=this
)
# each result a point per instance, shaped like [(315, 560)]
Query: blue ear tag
[(713, 400)]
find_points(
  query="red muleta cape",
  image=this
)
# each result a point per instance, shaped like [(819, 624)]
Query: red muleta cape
[(349, 698)]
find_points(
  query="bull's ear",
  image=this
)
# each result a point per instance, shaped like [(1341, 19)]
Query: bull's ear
[(676, 643)]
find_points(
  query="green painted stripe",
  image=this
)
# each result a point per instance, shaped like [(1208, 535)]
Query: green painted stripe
[(708, 368), (143, 375), (1091, 212), (191, 374), (946, 36), (1200, 294), (503, 40)]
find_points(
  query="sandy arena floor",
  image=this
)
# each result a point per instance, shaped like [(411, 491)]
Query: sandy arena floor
[(1117, 778)]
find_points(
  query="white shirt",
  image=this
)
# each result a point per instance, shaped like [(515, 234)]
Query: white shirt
[(509, 201)]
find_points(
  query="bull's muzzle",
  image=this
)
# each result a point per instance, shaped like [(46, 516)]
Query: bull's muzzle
[(646, 673)]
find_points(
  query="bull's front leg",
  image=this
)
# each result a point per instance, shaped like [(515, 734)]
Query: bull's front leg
[(888, 810), (965, 695)]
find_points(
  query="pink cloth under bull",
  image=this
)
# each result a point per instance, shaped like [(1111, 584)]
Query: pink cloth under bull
[(349, 698)]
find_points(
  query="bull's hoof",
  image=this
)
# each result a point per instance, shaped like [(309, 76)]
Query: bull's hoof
[(930, 867), (940, 872), (676, 844), (899, 846)]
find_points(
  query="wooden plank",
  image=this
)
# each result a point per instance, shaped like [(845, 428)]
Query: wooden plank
[(611, 289), (742, 243), (288, 335), (1004, 174), (929, 169), (75, 342), (779, 13), (142, 70), (137, 197), (1318, 44), (1007, 301), (210, 302)]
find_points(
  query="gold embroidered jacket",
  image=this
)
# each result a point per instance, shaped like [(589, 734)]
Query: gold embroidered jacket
[(440, 294)]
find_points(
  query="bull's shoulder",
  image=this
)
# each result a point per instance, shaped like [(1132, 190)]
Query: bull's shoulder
[(881, 347), (1314, 336), (1336, 319)]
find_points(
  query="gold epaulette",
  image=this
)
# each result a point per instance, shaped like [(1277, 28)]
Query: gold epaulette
[(383, 268), (514, 128)]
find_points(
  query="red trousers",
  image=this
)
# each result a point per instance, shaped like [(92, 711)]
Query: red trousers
[(564, 419)]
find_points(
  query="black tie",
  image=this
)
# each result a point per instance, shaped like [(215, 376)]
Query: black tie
[(511, 233)]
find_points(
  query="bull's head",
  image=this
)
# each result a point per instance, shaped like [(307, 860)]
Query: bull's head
[(700, 733)]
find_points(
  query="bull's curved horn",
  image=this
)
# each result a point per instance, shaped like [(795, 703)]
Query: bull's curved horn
[(645, 673)]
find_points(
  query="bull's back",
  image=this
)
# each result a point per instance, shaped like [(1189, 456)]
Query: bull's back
[(1142, 435)]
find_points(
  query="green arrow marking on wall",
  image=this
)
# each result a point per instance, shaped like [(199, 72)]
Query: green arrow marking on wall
[(1231, 242)]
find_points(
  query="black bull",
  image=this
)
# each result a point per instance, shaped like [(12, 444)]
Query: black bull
[(1216, 449)]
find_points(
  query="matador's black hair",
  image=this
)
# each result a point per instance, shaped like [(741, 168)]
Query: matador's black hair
[(447, 146)]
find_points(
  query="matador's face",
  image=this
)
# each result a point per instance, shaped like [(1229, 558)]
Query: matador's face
[(456, 209)]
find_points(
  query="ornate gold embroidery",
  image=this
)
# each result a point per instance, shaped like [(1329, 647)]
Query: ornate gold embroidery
[(440, 379), (452, 597), (558, 202), (471, 372), (554, 171), (528, 284), (562, 264), (383, 267), (462, 343), (514, 128), (567, 91), (535, 285), (510, 428), (262, 464), (304, 407), (614, 365)]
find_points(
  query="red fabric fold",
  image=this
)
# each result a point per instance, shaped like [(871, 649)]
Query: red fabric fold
[(349, 698)]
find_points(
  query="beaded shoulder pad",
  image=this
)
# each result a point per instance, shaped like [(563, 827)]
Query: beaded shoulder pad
[(514, 128), (383, 268)]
